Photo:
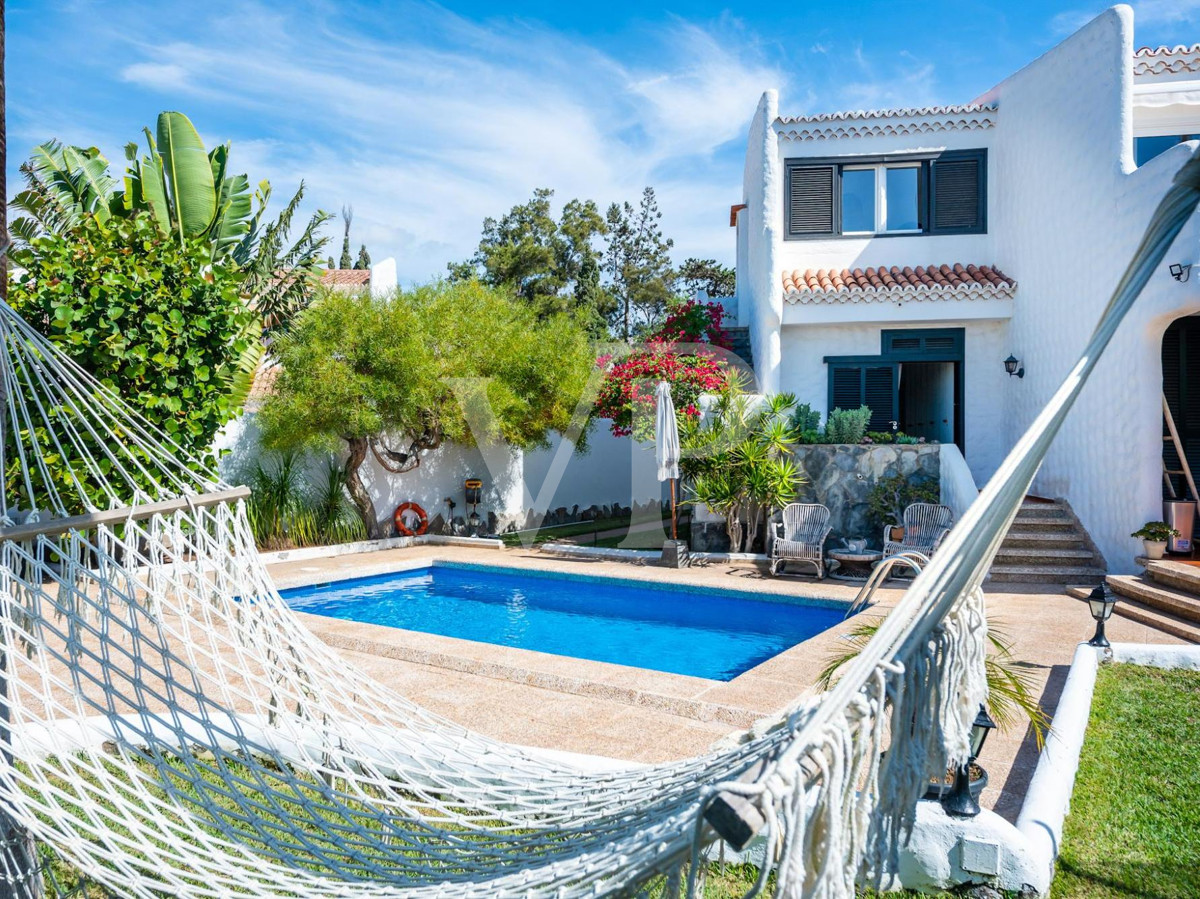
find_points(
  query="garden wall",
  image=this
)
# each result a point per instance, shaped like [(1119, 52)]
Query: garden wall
[(614, 472), (841, 476)]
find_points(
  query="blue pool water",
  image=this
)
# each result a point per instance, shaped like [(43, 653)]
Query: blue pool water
[(704, 633)]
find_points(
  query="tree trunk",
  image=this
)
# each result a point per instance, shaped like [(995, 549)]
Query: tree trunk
[(358, 490)]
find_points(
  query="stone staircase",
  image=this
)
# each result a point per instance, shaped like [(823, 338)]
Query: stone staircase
[(1047, 545), (1166, 597), (739, 344)]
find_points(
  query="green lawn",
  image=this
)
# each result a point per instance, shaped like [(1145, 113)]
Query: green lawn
[(1134, 826)]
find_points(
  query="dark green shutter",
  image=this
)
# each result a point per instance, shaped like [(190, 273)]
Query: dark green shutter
[(957, 193), (880, 392), (867, 384), (811, 199)]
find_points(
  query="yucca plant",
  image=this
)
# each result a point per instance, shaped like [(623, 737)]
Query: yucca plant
[(335, 517), (738, 463), (1010, 688)]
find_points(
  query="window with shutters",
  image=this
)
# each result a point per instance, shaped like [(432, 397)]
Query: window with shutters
[(872, 383), (940, 193)]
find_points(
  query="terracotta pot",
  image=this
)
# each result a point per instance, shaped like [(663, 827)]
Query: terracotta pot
[(937, 790), (1154, 548)]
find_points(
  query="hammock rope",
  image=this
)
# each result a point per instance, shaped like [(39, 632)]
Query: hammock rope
[(169, 728)]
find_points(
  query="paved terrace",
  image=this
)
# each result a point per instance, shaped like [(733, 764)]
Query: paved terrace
[(537, 699)]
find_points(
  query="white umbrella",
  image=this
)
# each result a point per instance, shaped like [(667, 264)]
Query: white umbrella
[(666, 442)]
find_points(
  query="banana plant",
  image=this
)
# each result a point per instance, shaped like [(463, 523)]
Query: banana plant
[(62, 184)]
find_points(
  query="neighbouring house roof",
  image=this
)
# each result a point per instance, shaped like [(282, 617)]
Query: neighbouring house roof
[(895, 284), (875, 122), (262, 387), (346, 277), (1166, 60)]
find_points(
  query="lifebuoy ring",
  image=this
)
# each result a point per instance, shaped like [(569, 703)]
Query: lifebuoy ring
[(402, 528)]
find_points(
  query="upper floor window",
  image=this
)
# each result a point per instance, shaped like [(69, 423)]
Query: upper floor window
[(941, 193), (1146, 148)]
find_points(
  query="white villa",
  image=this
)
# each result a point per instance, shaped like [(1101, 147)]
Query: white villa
[(899, 257)]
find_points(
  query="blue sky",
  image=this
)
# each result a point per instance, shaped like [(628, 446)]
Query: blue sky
[(426, 118)]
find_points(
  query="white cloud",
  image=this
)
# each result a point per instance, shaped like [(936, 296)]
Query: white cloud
[(428, 131), (157, 76)]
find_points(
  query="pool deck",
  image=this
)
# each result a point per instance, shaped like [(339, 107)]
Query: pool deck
[(596, 708)]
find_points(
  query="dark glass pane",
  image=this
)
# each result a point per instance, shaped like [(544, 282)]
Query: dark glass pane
[(858, 200), (902, 199), (1146, 148)]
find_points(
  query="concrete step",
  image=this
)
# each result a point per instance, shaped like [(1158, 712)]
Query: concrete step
[(1166, 599), (1176, 575), (1159, 620), (1036, 574), (1053, 538), (1020, 555), (1044, 525), (1042, 512)]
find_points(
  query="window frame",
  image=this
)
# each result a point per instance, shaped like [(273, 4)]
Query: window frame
[(881, 163)]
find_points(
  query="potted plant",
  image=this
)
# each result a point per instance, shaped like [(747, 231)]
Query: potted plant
[(1011, 697), (891, 496), (1154, 536)]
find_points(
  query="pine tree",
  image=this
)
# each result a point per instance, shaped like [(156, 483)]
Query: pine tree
[(364, 258), (346, 261), (638, 263)]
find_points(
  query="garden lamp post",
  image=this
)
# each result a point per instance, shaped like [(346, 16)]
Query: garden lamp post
[(1101, 604), (959, 802)]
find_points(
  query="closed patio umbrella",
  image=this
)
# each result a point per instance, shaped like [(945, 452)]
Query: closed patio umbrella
[(666, 443)]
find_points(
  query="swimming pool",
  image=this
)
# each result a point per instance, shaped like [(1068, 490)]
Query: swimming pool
[(702, 632)]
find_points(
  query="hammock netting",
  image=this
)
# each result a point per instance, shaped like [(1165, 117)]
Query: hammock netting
[(169, 728)]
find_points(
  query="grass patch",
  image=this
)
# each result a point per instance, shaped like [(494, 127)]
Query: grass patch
[(1134, 826)]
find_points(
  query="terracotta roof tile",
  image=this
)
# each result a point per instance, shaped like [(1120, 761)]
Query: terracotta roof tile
[(346, 277), (883, 284), (907, 112)]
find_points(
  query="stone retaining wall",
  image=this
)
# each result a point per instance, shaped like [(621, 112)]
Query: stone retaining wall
[(841, 476)]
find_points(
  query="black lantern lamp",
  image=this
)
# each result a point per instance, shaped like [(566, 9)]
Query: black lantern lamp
[(959, 801), (1101, 604), (1011, 366)]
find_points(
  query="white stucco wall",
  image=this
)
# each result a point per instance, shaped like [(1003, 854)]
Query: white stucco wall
[(806, 374), (1068, 222), (1066, 208), (614, 470), (759, 297)]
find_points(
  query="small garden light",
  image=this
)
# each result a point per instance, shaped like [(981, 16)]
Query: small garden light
[(959, 802), (1101, 603), (1011, 366)]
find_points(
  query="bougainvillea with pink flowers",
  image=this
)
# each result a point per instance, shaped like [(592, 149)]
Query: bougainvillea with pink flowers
[(693, 322), (627, 394)]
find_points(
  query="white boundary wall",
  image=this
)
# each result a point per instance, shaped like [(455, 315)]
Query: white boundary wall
[(614, 470)]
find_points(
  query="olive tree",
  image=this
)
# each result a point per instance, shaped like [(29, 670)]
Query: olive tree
[(381, 375)]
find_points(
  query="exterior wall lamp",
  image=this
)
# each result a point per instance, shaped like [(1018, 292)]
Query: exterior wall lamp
[(959, 802), (1101, 604), (1011, 366), (1179, 271)]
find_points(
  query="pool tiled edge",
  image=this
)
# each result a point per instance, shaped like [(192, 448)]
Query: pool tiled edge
[(764, 690)]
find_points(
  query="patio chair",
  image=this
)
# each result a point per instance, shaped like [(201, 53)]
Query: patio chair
[(925, 525), (800, 537)]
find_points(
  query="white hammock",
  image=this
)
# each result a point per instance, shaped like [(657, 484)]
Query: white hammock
[(170, 728)]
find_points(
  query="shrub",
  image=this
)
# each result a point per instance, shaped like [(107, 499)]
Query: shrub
[(693, 322), (156, 320), (805, 419), (627, 394), (891, 496), (847, 425)]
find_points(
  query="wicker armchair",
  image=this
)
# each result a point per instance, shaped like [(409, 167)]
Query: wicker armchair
[(925, 524), (800, 537)]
